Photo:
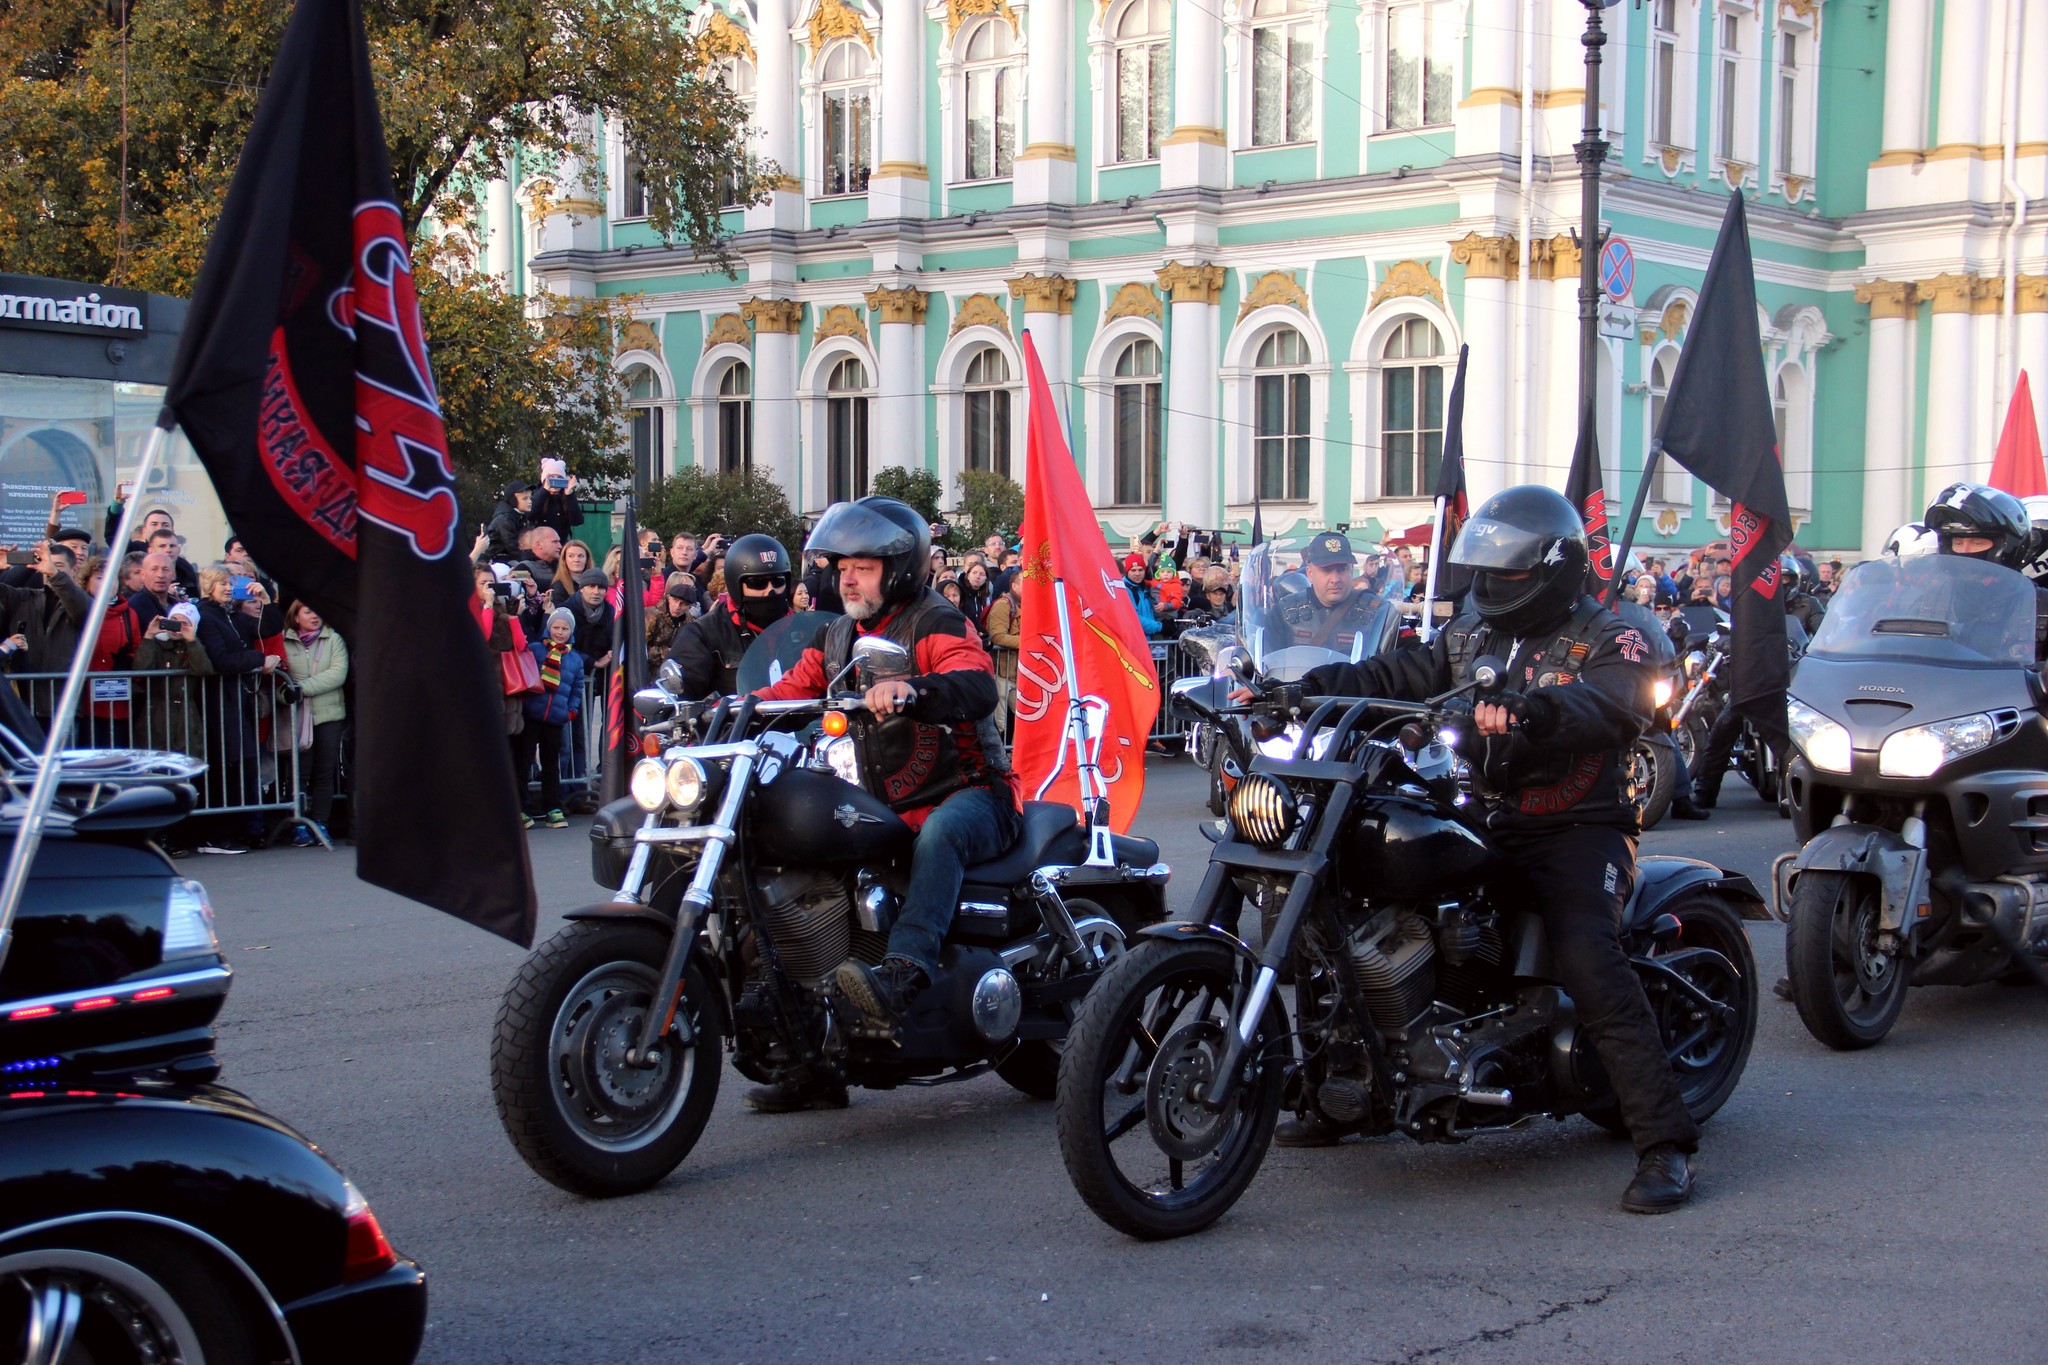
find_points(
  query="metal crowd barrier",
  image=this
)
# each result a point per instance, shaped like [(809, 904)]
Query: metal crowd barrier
[(1171, 663), (238, 724)]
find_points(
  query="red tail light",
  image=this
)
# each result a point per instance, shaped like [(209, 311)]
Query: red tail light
[(98, 1002), (368, 1253)]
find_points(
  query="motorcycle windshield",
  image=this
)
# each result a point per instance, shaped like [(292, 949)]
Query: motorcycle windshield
[(1304, 601), (1941, 609)]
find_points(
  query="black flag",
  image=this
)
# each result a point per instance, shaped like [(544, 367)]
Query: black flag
[(1586, 491), (1718, 423), (629, 667), (1450, 485), (302, 380)]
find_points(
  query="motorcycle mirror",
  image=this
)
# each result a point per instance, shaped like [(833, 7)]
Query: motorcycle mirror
[(1199, 698), (870, 646), (1489, 673), (653, 704), (669, 678)]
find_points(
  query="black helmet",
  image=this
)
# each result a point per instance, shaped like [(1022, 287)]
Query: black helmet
[(1974, 510), (1525, 529), (876, 528), (1791, 575), (755, 556)]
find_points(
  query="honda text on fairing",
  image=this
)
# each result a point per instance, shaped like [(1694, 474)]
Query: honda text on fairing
[(1425, 999), (147, 1213), (749, 864), (1919, 791)]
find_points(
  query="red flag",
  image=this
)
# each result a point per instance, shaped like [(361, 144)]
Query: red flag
[(2017, 467), (1112, 663)]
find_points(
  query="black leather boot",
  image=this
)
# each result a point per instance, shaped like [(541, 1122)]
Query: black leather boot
[(1307, 1130), (794, 1096), (1663, 1181)]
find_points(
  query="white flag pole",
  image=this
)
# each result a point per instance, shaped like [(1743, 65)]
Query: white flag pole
[(1436, 544)]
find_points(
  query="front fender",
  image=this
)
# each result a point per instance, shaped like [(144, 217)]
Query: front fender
[(666, 919), (1182, 929), (1900, 868), (1661, 880)]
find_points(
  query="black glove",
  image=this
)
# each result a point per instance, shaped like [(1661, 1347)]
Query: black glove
[(1534, 713), (1329, 680)]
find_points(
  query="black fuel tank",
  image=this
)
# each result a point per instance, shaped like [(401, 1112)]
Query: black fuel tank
[(1404, 850), (805, 816)]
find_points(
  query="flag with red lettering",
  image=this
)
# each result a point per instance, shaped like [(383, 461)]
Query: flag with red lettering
[(1112, 665), (303, 382), (2017, 466), (1719, 424), (1586, 490)]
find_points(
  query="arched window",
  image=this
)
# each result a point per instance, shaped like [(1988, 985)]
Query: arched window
[(643, 422), (1673, 483), (1412, 408), (736, 419), (990, 81), (846, 93), (1283, 73), (988, 412), (1280, 408), (1143, 31), (846, 431), (1139, 424), (1422, 48), (736, 74)]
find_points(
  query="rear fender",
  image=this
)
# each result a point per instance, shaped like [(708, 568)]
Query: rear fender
[(1899, 869), (1662, 880)]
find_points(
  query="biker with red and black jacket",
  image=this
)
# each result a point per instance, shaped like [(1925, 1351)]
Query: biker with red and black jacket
[(934, 746)]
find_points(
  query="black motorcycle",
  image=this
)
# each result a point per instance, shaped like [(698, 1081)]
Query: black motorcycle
[(1919, 790), (749, 863), (1424, 1002)]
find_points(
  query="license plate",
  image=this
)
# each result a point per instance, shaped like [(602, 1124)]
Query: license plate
[(110, 689)]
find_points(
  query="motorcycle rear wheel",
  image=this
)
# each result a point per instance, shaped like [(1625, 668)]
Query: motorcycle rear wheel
[(576, 1113), (1142, 1153), (1849, 994)]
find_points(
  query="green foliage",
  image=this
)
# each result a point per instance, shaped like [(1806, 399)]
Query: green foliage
[(918, 487), (990, 504), (735, 504)]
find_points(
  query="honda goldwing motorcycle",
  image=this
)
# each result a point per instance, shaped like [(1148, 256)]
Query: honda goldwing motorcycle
[(750, 862), (1425, 1001), (1919, 788)]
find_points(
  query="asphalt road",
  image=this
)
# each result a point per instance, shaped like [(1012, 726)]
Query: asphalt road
[(1884, 1204)]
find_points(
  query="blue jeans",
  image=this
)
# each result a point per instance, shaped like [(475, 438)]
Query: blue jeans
[(970, 826)]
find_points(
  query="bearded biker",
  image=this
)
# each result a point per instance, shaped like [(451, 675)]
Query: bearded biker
[(710, 648), (1550, 769), (934, 748)]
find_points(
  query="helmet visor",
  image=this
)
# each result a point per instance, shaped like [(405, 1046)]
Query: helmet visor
[(1485, 543), (849, 530)]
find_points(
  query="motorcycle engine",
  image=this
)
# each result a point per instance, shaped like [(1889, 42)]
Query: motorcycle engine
[(809, 917), (1393, 957)]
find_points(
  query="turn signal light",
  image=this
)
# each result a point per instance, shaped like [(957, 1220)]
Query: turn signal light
[(368, 1252), (834, 724), (650, 745)]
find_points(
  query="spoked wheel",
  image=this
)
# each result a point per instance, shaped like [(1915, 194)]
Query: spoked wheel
[(1034, 1066), (1849, 990), (1691, 739), (1705, 1004), (579, 1115), (1143, 1149)]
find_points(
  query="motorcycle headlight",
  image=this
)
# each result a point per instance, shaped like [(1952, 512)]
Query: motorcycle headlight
[(840, 758), (648, 784), (1824, 742), (1920, 751), (685, 784), (1695, 664), (1661, 692), (1262, 810)]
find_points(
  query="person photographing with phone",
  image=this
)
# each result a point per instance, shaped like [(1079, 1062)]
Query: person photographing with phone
[(235, 616), (554, 499)]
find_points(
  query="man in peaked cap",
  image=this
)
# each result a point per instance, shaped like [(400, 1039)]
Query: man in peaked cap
[(1332, 612)]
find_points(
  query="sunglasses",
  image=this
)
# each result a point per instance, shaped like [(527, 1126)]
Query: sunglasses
[(773, 582)]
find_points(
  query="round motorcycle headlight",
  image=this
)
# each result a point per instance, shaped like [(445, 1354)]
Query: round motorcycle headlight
[(1660, 692), (1262, 810), (685, 784), (647, 784), (1695, 664), (840, 757)]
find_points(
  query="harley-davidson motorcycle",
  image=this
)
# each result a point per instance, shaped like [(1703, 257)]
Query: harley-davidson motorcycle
[(1425, 1001), (1919, 790), (749, 862)]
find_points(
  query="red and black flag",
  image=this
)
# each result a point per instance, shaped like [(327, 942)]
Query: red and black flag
[(1587, 491), (302, 380), (1450, 486), (629, 668), (1718, 423)]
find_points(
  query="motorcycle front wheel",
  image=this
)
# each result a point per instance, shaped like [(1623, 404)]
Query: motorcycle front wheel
[(1141, 1149), (577, 1113), (1849, 992), (1654, 772)]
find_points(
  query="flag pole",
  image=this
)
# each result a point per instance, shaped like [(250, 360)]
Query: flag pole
[(1087, 776), (28, 836), (1436, 545), (1628, 528)]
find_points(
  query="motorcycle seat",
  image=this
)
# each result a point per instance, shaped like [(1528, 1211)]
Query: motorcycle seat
[(1052, 834)]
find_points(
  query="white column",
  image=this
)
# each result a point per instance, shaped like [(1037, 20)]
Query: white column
[(1488, 118), (776, 448), (503, 216), (1194, 154), (901, 185), (1048, 306), (1887, 447), (776, 119), (2033, 62), (1045, 167), (2034, 344), (1489, 264), (1557, 428), (899, 408), (1952, 452), (1968, 66), (1908, 34), (1193, 490)]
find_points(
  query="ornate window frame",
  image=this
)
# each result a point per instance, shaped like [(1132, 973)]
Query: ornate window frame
[(1240, 73), (1368, 466), (1098, 388), (1795, 180), (949, 387), (813, 414), (828, 23), (1674, 150), (665, 459), (953, 69), (712, 367), (1102, 56), (1239, 375)]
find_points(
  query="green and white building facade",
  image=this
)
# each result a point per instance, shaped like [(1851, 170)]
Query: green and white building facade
[(1248, 237)]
